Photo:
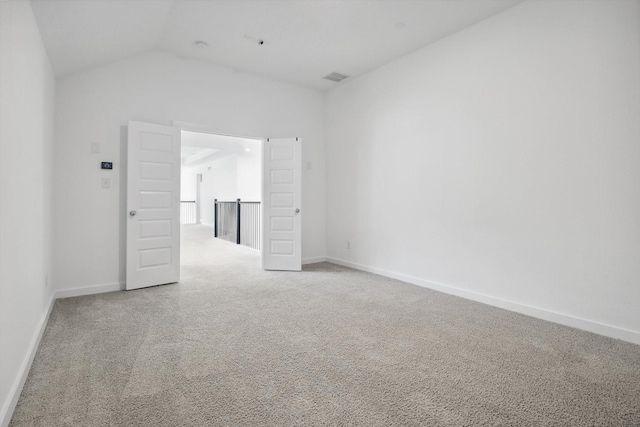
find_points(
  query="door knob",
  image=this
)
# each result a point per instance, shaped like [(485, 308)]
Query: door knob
[(297, 211), (132, 213)]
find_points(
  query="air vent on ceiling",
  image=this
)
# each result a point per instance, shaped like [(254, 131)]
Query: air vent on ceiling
[(335, 77)]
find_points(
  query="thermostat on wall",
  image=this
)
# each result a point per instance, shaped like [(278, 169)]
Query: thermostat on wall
[(106, 165)]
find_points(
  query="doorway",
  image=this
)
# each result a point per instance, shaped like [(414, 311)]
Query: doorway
[(222, 167), (221, 186)]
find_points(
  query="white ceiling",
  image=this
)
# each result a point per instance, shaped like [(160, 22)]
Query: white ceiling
[(199, 148), (304, 40), (191, 156)]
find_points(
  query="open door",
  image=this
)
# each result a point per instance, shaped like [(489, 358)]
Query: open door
[(153, 205), (281, 194)]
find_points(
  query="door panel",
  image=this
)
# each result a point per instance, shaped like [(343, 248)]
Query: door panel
[(281, 222), (153, 205)]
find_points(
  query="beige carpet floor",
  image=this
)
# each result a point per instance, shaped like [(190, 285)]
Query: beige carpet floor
[(232, 345)]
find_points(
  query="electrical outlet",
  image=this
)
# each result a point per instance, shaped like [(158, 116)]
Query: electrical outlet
[(106, 183), (348, 244)]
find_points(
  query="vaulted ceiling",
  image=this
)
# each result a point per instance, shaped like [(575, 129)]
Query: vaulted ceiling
[(303, 40)]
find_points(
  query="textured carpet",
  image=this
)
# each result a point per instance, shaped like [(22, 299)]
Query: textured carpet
[(232, 345)]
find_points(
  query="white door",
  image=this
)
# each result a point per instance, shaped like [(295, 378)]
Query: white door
[(153, 205), (281, 217)]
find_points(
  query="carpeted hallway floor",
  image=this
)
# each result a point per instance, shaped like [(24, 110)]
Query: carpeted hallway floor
[(232, 345)]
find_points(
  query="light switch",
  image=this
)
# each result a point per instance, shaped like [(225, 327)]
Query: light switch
[(106, 183), (95, 148)]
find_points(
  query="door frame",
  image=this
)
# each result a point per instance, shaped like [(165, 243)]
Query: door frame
[(196, 127)]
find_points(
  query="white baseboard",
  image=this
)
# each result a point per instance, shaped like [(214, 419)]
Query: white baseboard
[(14, 393), (563, 319), (540, 313), (313, 260), (89, 290)]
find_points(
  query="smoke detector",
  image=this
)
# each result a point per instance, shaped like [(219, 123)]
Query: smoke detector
[(335, 77), (201, 45)]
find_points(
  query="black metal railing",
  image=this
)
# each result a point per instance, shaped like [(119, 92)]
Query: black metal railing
[(250, 224), (188, 212), (237, 222), (225, 220)]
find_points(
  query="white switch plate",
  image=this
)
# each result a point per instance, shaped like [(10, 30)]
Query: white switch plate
[(95, 148), (106, 183)]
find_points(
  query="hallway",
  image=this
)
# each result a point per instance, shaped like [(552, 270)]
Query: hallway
[(202, 255)]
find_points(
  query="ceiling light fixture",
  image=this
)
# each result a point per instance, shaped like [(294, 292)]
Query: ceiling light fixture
[(201, 45)]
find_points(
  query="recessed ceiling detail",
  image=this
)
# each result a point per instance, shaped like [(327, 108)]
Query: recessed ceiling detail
[(335, 77), (199, 148)]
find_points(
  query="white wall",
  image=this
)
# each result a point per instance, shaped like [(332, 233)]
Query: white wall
[(188, 183), (219, 181), (501, 163), (93, 106), (26, 135), (250, 173), (226, 179)]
